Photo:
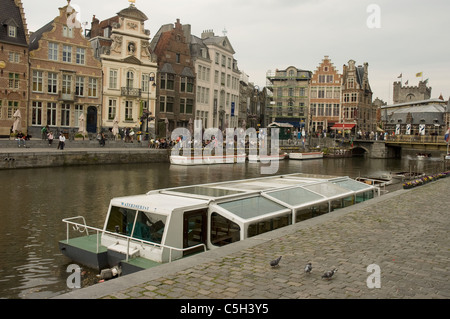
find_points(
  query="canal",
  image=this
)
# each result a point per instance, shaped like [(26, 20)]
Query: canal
[(34, 201)]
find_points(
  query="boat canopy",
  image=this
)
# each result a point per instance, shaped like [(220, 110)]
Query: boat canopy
[(259, 198)]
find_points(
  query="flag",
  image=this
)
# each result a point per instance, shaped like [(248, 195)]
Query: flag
[(447, 135), (418, 75), (400, 76)]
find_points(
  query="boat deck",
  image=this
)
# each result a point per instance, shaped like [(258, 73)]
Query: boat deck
[(88, 243)]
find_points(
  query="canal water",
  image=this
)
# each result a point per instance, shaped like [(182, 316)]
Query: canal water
[(34, 201)]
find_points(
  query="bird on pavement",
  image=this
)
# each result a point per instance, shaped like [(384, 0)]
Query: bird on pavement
[(275, 262), (308, 268), (329, 274)]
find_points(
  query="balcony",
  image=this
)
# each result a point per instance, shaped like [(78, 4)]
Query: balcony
[(131, 92), (66, 97)]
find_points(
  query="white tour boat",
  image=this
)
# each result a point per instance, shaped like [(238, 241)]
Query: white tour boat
[(207, 159), (253, 158), (160, 226), (305, 155)]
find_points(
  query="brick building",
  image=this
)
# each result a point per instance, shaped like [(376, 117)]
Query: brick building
[(357, 108), (176, 80), (65, 78), (325, 98), (13, 65)]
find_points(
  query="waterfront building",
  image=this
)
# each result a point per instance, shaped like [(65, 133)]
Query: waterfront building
[(325, 98), (176, 80), (217, 80), (65, 78), (252, 104), (13, 65), (357, 108), (426, 117), (291, 89), (122, 44)]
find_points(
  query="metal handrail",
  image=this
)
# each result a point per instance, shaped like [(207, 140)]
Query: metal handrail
[(83, 227)]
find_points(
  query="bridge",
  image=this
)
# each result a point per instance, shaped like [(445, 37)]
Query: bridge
[(398, 146)]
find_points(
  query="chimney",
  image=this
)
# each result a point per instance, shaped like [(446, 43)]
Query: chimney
[(207, 34)]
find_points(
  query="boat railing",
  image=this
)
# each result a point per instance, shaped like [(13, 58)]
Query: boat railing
[(82, 227)]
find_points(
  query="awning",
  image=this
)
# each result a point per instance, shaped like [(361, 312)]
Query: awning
[(342, 126)]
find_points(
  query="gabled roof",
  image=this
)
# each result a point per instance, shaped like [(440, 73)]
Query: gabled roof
[(36, 36), (133, 13), (10, 15), (222, 42)]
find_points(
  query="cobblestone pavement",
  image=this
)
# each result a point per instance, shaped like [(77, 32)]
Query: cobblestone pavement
[(405, 234)]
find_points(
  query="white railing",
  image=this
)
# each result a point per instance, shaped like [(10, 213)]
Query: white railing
[(83, 227)]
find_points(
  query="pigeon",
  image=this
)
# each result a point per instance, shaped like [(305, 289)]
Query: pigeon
[(308, 268), (275, 262), (329, 274)]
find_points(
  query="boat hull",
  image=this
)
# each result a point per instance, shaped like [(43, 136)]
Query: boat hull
[(264, 158), (206, 160), (305, 156)]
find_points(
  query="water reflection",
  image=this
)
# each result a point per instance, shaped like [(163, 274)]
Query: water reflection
[(34, 201)]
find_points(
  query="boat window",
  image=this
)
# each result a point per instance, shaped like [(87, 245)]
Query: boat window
[(361, 197), (336, 204), (149, 227), (269, 224), (121, 220), (311, 211), (348, 201), (223, 230)]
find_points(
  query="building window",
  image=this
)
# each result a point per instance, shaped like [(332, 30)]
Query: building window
[(67, 32), (346, 97), (66, 84), (350, 83), (53, 51), (80, 58), (178, 57), (36, 113), (113, 79), (128, 110), (329, 79), (77, 113), (52, 83), (321, 93), (67, 54), (145, 83), (65, 114), (169, 104), (162, 104), (92, 87), (354, 97), (14, 57), (12, 31), (37, 81), (112, 104), (13, 80), (335, 109), (79, 86), (130, 79), (51, 113), (321, 78), (12, 108)]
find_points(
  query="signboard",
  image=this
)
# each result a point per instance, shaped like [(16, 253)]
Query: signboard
[(408, 129), (397, 129), (2, 64), (422, 129), (232, 108)]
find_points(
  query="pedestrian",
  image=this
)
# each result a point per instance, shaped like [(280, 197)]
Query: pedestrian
[(11, 131), (50, 138), (44, 131), (62, 141), (20, 139)]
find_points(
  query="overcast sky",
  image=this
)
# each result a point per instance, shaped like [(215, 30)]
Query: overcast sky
[(407, 37)]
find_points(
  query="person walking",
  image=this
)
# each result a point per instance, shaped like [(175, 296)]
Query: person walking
[(50, 138), (62, 141)]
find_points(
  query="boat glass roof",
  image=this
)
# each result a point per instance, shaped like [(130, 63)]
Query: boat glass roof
[(296, 196), (327, 189), (206, 191), (352, 185), (251, 207)]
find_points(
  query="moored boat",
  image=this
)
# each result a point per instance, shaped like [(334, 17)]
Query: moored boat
[(305, 155), (253, 158), (206, 159), (160, 226)]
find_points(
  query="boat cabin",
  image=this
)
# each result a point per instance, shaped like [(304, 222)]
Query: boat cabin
[(167, 224)]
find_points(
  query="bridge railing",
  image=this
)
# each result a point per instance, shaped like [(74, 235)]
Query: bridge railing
[(423, 139)]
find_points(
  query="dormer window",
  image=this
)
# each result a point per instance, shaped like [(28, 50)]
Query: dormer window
[(12, 31)]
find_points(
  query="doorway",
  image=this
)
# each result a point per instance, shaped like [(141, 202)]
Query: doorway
[(91, 122), (194, 230)]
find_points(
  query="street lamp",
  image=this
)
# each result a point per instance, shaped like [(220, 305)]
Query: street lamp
[(151, 78)]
